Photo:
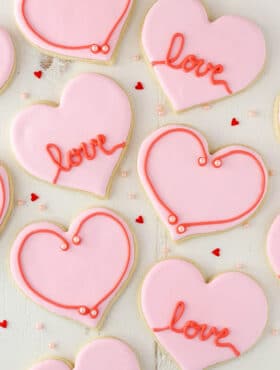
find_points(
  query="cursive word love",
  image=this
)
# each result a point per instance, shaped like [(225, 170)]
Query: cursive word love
[(75, 156), (191, 63), (192, 329)]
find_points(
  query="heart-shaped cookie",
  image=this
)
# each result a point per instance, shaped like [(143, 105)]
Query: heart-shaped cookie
[(273, 246), (79, 143), (202, 324), (195, 192), (84, 29), (197, 61), (101, 354), (8, 62), (75, 273), (6, 195)]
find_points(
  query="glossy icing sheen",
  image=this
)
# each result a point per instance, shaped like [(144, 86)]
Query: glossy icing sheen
[(232, 42), (7, 55), (90, 30), (193, 198), (89, 264), (273, 245), (102, 354), (232, 300), (82, 118)]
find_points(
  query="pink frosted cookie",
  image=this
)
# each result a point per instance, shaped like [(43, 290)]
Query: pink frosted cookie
[(84, 29), (197, 61), (273, 246), (101, 354), (90, 264), (79, 143), (201, 324), (195, 192), (7, 55), (6, 196)]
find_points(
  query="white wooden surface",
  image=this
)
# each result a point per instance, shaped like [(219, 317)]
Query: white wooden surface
[(21, 344)]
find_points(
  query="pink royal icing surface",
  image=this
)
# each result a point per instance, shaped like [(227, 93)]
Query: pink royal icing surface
[(227, 314), (88, 29), (79, 143), (101, 354), (5, 194), (233, 44), (195, 192), (273, 245), (89, 264), (7, 54)]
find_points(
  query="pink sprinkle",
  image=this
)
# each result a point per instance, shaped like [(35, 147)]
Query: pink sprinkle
[(21, 202), (160, 108), (131, 196), (275, 332), (39, 326), (25, 95), (252, 113), (166, 251), (136, 58), (124, 173), (52, 345), (240, 266), (42, 207), (270, 173)]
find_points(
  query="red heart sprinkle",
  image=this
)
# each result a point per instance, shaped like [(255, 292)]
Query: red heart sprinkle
[(34, 197), (4, 324), (139, 86), (234, 122), (217, 252), (140, 220), (38, 74)]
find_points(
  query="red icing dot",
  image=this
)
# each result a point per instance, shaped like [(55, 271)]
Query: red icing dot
[(34, 197), (139, 86), (217, 252), (139, 220), (234, 122), (38, 74)]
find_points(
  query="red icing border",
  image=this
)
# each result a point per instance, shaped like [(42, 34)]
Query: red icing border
[(2, 186), (87, 310), (100, 48), (204, 156)]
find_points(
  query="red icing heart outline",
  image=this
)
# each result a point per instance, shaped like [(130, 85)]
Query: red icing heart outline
[(104, 48), (205, 156), (3, 191), (87, 310)]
